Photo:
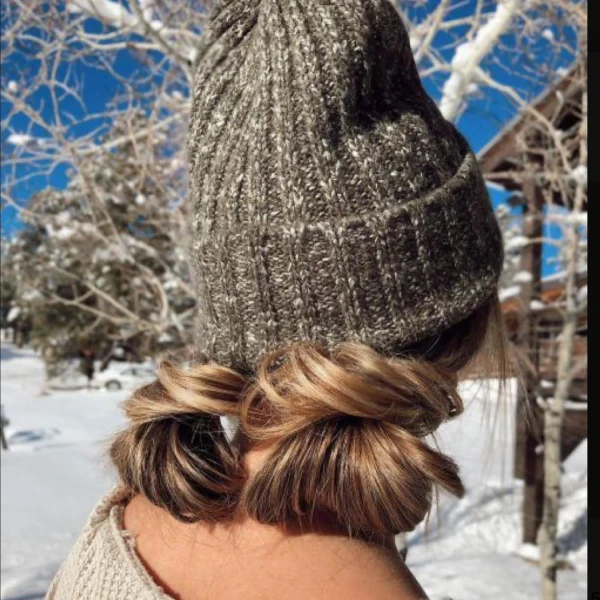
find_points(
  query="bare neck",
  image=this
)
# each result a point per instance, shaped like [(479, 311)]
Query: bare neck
[(246, 559)]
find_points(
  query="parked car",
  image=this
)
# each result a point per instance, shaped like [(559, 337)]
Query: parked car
[(124, 376)]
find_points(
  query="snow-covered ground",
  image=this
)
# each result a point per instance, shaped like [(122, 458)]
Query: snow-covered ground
[(57, 469), (53, 474), (472, 549)]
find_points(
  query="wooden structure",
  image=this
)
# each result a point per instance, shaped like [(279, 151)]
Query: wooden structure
[(534, 331), (548, 326)]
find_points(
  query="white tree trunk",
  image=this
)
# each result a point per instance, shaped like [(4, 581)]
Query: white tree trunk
[(555, 409)]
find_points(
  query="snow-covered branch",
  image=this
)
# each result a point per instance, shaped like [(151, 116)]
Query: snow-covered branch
[(465, 65)]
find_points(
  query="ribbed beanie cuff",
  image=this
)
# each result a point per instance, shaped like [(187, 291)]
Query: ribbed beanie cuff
[(397, 276)]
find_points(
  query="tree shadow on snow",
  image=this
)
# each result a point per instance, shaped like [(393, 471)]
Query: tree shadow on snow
[(7, 353), (577, 535), (28, 436)]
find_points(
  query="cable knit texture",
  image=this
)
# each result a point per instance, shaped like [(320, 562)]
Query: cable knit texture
[(332, 201), (103, 564)]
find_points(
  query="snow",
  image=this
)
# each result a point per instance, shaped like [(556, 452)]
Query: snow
[(53, 474), (19, 139), (516, 243), (580, 174), (576, 405), (509, 292), (537, 305), (472, 89), (64, 233), (62, 218), (230, 426), (468, 56), (57, 469), (147, 7), (548, 34), (480, 534), (529, 552), (73, 8), (577, 461), (109, 11), (579, 218), (13, 314), (562, 275), (415, 40), (70, 378), (523, 277), (192, 55), (570, 217), (13, 87)]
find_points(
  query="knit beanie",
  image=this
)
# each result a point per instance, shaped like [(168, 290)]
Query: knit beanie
[(331, 200)]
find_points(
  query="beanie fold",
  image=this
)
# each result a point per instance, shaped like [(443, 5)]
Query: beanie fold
[(387, 278)]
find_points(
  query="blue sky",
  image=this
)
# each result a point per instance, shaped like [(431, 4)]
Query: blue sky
[(479, 124)]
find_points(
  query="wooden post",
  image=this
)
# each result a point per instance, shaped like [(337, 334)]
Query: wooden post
[(528, 457)]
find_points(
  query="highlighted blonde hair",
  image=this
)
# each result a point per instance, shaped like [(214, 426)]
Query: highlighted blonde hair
[(345, 429)]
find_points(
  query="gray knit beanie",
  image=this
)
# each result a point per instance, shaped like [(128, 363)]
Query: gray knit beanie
[(331, 200)]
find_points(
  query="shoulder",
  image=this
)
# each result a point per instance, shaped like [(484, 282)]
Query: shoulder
[(223, 559), (101, 564)]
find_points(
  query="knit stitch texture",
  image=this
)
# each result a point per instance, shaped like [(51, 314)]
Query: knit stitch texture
[(103, 564), (332, 201)]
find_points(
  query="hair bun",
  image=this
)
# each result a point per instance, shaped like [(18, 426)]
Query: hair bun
[(307, 384), (176, 452), (347, 427)]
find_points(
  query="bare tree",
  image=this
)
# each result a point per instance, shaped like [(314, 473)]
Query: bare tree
[(121, 222), (575, 302), (147, 48), (551, 164)]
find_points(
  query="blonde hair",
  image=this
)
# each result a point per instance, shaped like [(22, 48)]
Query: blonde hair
[(346, 430)]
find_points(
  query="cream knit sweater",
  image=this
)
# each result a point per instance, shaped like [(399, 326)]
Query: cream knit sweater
[(103, 564)]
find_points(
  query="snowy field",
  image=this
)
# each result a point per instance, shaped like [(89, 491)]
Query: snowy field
[(56, 471)]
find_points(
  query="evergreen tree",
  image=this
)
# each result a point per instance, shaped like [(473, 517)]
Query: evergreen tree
[(102, 262)]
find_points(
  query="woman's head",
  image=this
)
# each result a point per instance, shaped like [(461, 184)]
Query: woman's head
[(347, 259), (343, 431)]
